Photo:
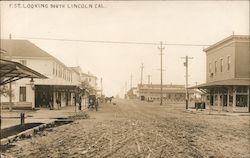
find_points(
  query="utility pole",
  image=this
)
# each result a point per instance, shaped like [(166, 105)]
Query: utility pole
[(131, 80), (149, 79), (141, 72), (186, 65), (10, 85), (101, 87), (140, 89), (125, 90), (161, 48)]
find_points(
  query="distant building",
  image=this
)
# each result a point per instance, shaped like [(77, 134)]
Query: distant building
[(228, 74), (90, 80), (60, 89), (170, 92), (132, 93)]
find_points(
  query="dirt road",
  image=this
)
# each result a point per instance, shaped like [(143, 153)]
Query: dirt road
[(136, 129)]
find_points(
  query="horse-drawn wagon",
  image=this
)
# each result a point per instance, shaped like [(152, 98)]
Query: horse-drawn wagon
[(93, 102)]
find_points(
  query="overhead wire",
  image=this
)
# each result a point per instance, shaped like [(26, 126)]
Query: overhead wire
[(115, 42)]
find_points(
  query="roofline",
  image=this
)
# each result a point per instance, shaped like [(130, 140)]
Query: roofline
[(218, 83), (88, 75), (226, 40), (2, 50), (47, 57), (26, 68)]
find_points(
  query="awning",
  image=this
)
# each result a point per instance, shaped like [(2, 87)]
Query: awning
[(11, 71), (229, 82)]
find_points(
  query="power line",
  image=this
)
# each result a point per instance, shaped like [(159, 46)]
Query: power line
[(116, 42)]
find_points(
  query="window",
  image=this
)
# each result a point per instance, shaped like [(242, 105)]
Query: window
[(53, 68), (23, 62), (221, 65), (228, 63), (22, 94), (56, 69), (215, 67), (210, 67)]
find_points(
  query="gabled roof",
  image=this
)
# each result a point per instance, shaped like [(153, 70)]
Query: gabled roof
[(22, 48), (230, 38), (26, 49)]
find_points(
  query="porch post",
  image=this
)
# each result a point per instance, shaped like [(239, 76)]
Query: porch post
[(209, 103), (219, 102), (248, 98), (228, 98), (234, 98)]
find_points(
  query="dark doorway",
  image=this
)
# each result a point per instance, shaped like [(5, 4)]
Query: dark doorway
[(43, 96)]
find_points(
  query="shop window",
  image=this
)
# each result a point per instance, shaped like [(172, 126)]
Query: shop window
[(22, 94), (242, 89), (241, 100)]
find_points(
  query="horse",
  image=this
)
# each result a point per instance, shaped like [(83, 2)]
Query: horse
[(108, 99)]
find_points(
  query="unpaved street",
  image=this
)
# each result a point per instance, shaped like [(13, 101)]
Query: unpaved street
[(136, 129)]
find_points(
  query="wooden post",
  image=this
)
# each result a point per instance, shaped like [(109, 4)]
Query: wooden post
[(248, 98), (219, 102), (234, 99), (228, 96), (22, 117)]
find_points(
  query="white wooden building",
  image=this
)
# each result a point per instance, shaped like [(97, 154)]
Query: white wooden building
[(59, 90)]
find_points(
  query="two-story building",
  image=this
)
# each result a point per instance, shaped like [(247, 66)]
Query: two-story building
[(228, 74), (91, 81), (58, 90)]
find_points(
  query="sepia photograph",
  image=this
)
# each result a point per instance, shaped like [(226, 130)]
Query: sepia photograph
[(125, 79)]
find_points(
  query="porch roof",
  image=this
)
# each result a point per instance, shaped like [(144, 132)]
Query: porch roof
[(11, 71), (229, 82)]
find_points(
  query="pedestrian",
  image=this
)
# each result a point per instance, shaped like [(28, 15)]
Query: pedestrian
[(58, 103), (51, 103), (80, 103)]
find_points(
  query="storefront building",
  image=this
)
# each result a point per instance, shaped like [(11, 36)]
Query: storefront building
[(228, 75), (61, 87)]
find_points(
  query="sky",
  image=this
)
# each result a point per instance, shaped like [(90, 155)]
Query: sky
[(179, 22)]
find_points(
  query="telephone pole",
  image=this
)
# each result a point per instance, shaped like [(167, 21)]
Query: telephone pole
[(10, 84), (186, 65), (125, 90), (161, 49), (131, 80), (149, 79), (101, 87), (141, 72)]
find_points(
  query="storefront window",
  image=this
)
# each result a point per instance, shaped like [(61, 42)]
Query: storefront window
[(242, 89), (241, 100)]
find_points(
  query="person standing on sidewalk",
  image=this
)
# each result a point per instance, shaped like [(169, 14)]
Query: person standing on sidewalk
[(80, 103)]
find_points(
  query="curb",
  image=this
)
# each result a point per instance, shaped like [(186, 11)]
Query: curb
[(26, 133), (203, 112)]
